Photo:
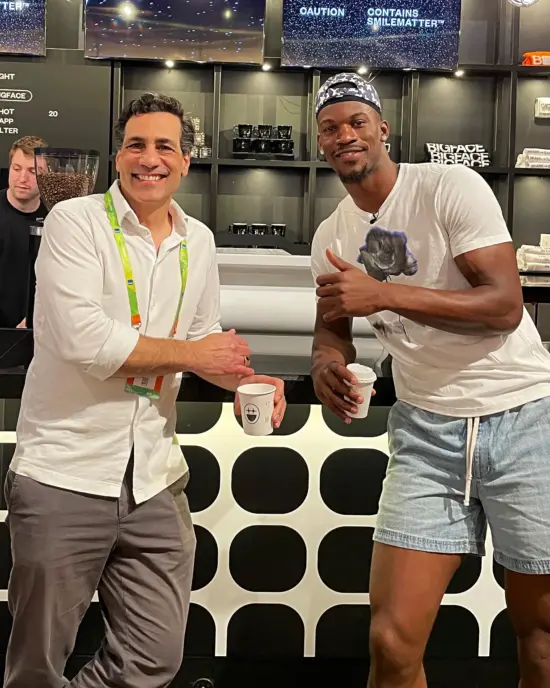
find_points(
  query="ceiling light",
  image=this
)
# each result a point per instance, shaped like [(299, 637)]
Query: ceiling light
[(127, 10), (169, 64)]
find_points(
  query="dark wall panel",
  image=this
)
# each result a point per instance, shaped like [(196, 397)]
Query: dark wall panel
[(531, 209), (329, 192), (534, 33), (262, 195), (478, 31), (67, 102), (264, 98), (531, 132), (455, 110), (64, 27)]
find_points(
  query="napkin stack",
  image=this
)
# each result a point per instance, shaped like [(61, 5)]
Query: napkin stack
[(535, 258), (534, 157)]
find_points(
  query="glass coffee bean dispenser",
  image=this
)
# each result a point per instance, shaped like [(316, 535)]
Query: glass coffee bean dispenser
[(61, 174)]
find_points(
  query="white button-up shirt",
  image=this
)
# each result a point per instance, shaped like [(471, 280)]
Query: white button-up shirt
[(77, 425)]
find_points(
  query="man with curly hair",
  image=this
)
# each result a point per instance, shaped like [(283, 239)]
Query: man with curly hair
[(423, 252), (127, 298)]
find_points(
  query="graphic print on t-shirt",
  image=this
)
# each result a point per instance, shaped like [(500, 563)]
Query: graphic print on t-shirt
[(386, 254)]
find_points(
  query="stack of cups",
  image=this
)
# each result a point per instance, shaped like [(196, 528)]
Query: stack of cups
[(257, 404), (366, 377)]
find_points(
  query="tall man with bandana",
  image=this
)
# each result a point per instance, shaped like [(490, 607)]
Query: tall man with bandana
[(423, 252)]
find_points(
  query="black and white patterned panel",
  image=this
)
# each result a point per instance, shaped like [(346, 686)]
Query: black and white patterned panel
[(284, 541), (292, 519)]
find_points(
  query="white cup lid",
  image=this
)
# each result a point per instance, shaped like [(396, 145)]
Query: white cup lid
[(363, 373)]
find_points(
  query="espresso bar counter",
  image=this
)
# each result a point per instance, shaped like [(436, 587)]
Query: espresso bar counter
[(293, 370), (284, 528), (16, 350)]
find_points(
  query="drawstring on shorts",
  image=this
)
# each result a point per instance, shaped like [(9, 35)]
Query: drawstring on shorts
[(472, 430)]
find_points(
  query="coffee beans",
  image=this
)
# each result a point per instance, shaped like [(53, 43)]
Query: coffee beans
[(60, 186)]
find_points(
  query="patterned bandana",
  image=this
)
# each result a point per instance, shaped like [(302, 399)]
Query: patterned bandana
[(347, 87)]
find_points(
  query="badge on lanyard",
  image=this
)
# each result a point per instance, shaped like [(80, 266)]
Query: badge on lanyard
[(143, 386)]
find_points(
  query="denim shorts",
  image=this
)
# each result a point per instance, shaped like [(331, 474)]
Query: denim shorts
[(425, 503)]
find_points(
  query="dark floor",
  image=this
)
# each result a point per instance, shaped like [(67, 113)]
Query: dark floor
[(315, 673)]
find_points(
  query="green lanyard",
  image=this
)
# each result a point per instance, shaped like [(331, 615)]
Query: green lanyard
[(128, 274)]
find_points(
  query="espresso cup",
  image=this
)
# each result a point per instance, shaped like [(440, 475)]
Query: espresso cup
[(284, 131), (241, 145), (243, 131)]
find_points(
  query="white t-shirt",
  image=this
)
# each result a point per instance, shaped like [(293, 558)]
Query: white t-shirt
[(433, 214)]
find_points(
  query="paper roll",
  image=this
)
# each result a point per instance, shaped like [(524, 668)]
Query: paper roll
[(274, 309)]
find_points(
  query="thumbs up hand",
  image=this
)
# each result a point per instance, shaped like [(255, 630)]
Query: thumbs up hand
[(347, 293)]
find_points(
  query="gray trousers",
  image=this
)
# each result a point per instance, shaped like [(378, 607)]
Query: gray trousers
[(65, 546)]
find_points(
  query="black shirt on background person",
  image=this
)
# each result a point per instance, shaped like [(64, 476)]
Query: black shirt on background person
[(20, 208), (14, 259)]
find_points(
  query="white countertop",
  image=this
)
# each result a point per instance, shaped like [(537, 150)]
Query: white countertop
[(261, 257)]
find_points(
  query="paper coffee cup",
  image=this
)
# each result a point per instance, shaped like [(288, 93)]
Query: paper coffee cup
[(366, 377), (257, 403)]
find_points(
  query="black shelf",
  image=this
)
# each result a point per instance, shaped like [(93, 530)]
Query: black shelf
[(253, 162), (481, 70), (531, 172), (538, 72), (495, 171)]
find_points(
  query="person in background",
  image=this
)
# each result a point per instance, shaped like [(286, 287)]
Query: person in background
[(127, 298), (20, 208), (423, 252)]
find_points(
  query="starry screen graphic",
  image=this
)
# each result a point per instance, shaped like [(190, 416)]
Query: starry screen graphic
[(416, 34), (193, 30), (23, 27)]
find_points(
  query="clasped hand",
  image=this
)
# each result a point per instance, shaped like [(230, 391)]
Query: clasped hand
[(226, 354), (348, 292)]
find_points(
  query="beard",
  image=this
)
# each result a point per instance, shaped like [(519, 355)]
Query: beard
[(356, 176), (29, 195)]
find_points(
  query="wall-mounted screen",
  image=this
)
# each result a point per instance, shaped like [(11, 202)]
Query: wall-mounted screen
[(416, 34), (23, 27), (193, 30)]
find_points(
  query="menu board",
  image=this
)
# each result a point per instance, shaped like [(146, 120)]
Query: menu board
[(23, 27), (64, 99)]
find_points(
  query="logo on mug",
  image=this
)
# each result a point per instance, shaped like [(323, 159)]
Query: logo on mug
[(252, 413)]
